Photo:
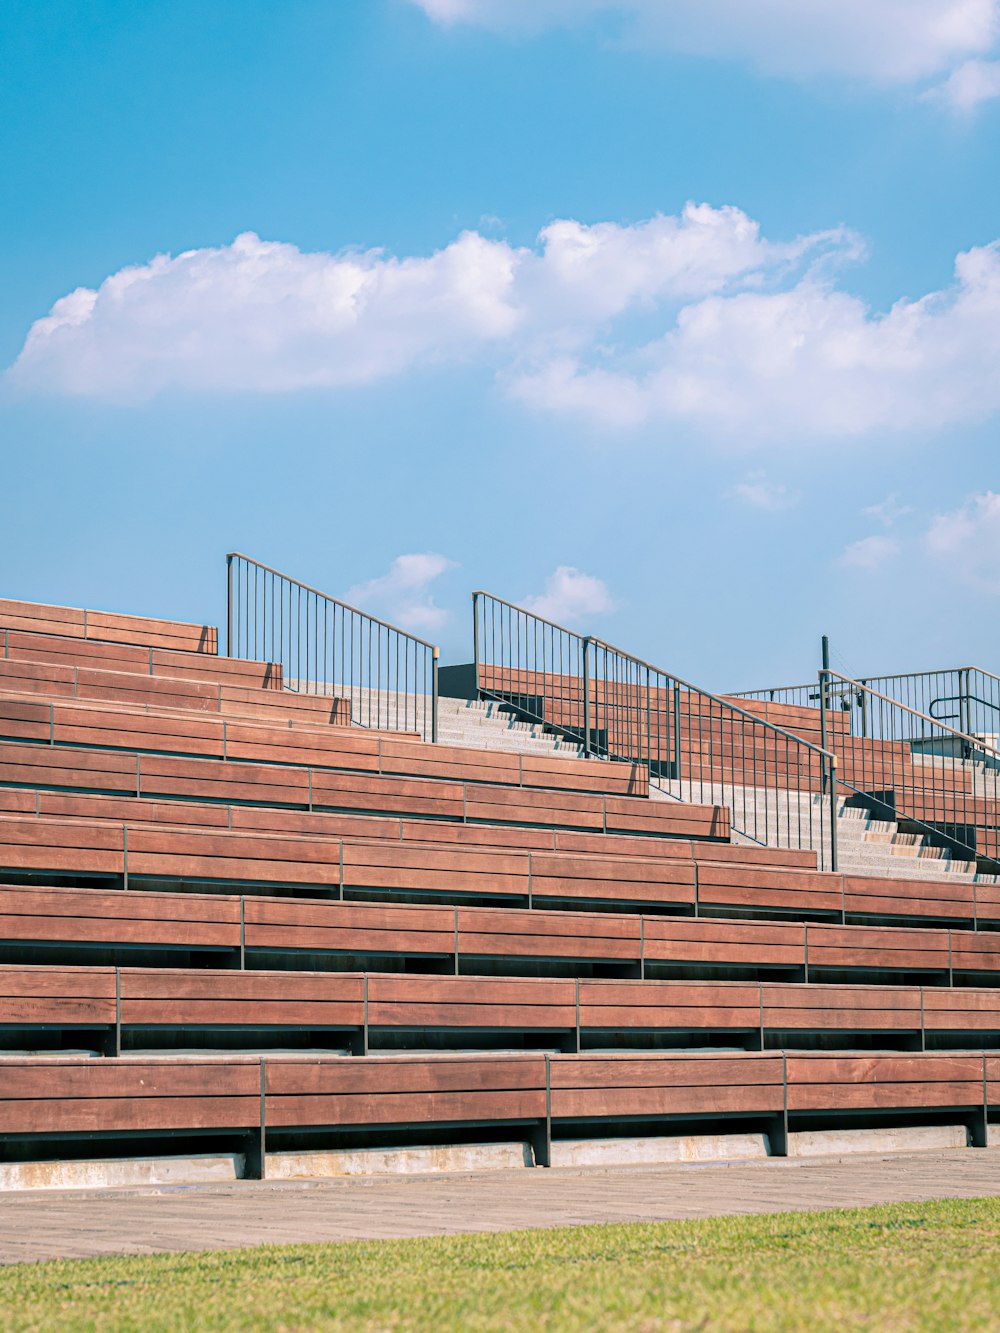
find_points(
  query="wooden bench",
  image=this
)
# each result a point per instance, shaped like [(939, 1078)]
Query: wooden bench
[(70, 622), (136, 1004), (622, 1088), (199, 734), (147, 853), (799, 893), (49, 798), (928, 1081), (73, 1097), (119, 923), (279, 930), (404, 1090), (937, 900), (281, 1097), (42, 681), (56, 650), (58, 997), (116, 771)]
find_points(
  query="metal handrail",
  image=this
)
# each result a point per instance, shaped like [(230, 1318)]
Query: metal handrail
[(324, 646), (619, 706), (974, 690), (651, 666), (316, 592), (973, 741), (927, 796)]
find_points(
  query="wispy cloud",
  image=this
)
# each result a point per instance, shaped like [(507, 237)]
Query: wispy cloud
[(570, 596), (403, 596), (759, 492), (888, 511), (869, 553), (966, 541), (968, 87), (882, 42)]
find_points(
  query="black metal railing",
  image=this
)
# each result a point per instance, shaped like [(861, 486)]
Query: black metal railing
[(912, 768), (325, 646), (697, 747), (967, 697)]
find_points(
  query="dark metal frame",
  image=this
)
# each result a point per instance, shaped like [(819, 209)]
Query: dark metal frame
[(695, 745), (902, 766), (894, 721), (327, 647), (974, 692)]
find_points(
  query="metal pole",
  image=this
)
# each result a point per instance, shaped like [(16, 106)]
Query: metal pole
[(434, 695), (824, 685), (677, 732), (586, 698), (475, 641), (229, 606), (649, 728), (829, 773)]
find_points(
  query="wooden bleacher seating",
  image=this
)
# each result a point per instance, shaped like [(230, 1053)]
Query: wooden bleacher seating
[(193, 856)]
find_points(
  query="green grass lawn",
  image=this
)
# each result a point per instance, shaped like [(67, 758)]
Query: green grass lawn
[(902, 1266)]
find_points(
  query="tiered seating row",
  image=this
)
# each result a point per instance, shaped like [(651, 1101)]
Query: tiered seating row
[(170, 693), (31, 653), (365, 827), (134, 1005), (164, 928), (241, 783), (297, 745), (142, 855), (71, 622), (264, 1099)]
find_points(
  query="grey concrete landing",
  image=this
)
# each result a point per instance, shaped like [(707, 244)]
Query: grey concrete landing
[(47, 1226)]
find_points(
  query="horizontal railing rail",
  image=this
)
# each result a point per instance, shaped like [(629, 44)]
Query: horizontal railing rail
[(696, 746), (325, 646), (909, 767), (968, 696)]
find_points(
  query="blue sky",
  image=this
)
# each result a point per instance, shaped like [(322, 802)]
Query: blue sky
[(644, 311)]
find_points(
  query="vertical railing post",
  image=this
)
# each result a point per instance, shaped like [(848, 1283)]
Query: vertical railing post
[(677, 732), (964, 702), (828, 782), (475, 641), (586, 697), (229, 606), (434, 694), (832, 762), (649, 723), (824, 687)]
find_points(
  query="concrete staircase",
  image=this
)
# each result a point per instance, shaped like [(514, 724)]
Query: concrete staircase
[(489, 726)]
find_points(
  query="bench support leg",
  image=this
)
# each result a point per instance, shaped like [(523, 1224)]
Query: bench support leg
[(540, 1138), (777, 1134), (254, 1154)]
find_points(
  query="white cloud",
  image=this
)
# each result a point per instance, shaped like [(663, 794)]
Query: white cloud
[(402, 595), (967, 541), (808, 361), (879, 41), (260, 313), (967, 87), (869, 552), (888, 511), (693, 321), (570, 596), (759, 492)]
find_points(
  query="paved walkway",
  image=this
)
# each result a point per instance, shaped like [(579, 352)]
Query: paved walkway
[(206, 1217)]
